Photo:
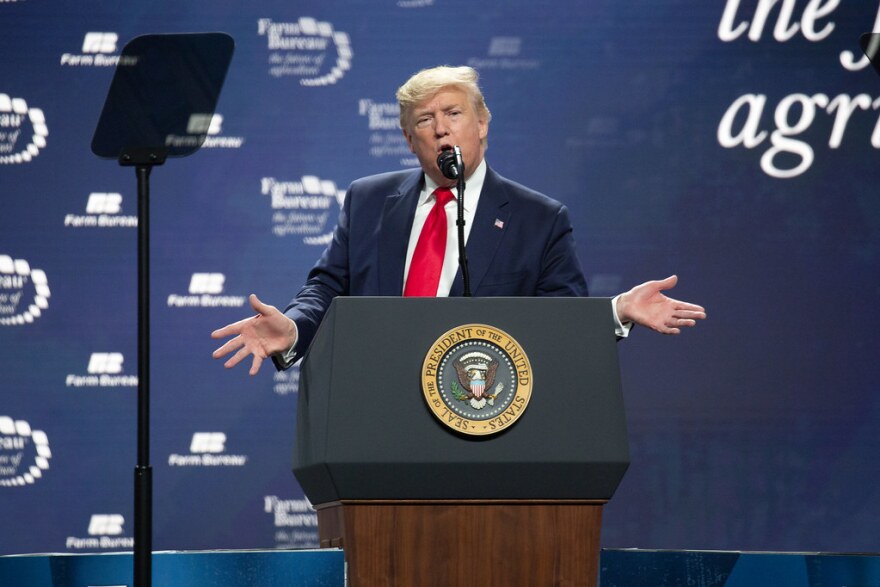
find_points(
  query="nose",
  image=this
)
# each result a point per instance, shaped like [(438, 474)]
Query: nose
[(440, 129)]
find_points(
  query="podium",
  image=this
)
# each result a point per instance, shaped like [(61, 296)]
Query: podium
[(410, 493)]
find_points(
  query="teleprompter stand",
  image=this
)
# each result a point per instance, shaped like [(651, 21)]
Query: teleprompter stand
[(160, 104), (412, 501)]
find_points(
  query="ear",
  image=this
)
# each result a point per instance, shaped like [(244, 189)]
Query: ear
[(484, 128)]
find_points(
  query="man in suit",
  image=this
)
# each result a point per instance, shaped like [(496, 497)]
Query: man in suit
[(391, 238)]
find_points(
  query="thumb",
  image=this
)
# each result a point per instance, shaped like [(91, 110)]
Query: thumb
[(259, 306), (668, 283)]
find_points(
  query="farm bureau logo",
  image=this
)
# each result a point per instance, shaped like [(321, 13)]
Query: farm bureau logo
[(386, 140), (477, 379), (504, 53), (308, 207), (97, 50), (24, 453), (295, 522), (103, 210), (300, 49), (104, 370), (286, 382), (24, 292), (14, 113), (203, 131), (206, 450), (105, 533), (204, 292)]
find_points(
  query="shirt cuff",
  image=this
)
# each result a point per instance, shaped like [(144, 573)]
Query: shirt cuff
[(285, 359), (620, 329)]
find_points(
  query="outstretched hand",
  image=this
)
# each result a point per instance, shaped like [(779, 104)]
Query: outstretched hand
[(646, 305), (267, 333)]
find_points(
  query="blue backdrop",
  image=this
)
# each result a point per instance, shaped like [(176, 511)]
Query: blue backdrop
[(731, 142)]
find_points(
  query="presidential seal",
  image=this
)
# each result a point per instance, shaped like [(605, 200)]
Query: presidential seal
[(477, 379)]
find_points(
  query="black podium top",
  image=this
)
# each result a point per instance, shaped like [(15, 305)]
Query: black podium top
[(364, 429)]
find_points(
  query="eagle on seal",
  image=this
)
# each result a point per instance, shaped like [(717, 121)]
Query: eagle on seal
[(476, 377)]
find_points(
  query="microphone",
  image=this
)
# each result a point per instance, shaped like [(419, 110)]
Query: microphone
[(448, 162)]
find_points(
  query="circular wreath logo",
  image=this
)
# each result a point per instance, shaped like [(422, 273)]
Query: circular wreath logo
[(477, 379)]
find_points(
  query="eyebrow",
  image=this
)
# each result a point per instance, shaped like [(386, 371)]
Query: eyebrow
[(423, 111)]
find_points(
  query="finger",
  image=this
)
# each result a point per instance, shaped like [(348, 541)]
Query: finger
[(223, 332), (688, 306), (227, 348), (255, 365), (237, 358), (667, 330), (680, 319), (234, 328), (692, 314)]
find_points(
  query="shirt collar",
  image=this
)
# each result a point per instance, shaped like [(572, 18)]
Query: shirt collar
[(473, 187)]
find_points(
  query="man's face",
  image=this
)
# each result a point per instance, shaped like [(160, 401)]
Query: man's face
[(446, 119)]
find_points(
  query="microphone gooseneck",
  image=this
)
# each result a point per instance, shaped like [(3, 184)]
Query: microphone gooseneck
[(452, 167)]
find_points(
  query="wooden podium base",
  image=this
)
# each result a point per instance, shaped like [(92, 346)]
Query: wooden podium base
[(465, 543)]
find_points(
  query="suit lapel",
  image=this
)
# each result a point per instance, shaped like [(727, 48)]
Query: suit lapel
[(486, 234), (397, 219)]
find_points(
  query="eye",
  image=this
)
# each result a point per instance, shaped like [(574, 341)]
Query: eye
[(423, 122)]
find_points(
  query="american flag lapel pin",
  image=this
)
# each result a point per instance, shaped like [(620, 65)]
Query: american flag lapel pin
[(499, 223)]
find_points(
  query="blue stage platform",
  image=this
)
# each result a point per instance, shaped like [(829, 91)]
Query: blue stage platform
[(274, 568), (325, 568)]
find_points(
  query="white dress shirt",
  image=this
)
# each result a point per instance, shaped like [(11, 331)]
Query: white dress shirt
[(423, 208)]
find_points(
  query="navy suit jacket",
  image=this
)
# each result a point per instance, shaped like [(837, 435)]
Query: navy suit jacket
[(520, 244)]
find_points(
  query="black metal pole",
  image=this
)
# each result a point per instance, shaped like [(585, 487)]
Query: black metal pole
[(462, 252), (143, 475)]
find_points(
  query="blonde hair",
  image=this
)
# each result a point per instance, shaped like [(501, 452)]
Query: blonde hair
[(428, 82)]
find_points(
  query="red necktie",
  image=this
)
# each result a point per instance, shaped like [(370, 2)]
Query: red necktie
[(427, 261)]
